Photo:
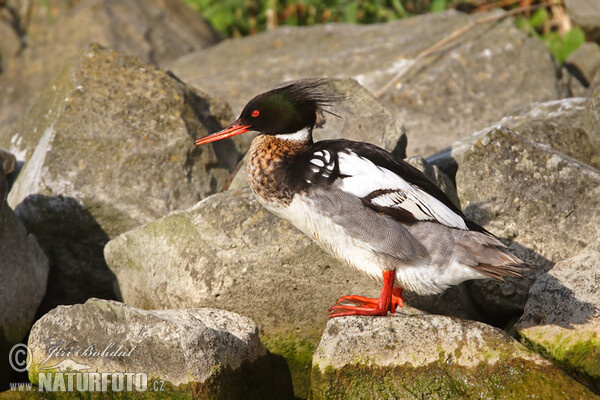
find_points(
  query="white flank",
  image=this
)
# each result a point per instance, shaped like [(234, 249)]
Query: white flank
[(419, 275), (329, 235), (364, 177)]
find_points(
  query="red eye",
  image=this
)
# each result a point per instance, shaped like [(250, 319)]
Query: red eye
[(255, 113)]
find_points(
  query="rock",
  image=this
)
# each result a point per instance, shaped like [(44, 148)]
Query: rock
[(23, 278), (230, 253), (584, 63), (109, 146), (433, 357), (559, 124), (562, 315), (8, 161), (205, 353), (591, 120), (489, 72), (155, 31), (526, 192), (586, 15), (362, 118), (456, 301)]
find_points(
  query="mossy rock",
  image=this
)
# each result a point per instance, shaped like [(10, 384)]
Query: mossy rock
[(432, 357)]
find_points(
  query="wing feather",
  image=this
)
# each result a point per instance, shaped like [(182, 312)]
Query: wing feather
[(386, 191)]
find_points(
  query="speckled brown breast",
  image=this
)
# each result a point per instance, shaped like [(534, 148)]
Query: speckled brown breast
[(270, 161)]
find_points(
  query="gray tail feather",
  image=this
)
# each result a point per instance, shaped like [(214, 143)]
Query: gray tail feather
[(489, 256)]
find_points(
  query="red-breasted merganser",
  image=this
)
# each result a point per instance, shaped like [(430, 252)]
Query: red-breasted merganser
[(374, 212)]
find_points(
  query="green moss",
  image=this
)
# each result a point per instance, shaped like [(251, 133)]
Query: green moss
[(517, 379), (266, 378), (298, 352), (576, 353)]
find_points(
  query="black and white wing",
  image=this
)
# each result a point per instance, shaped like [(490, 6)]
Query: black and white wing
[(383, 189), (385, 184)]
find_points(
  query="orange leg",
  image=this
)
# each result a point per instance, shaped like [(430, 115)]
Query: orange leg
[(388, 300)]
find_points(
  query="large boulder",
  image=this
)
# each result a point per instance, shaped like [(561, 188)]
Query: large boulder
[(200, 353), (562, 315), (41, 37), (107, 147), (23, 278), (586, 14), (430, 356), (543, 201), (501, 185), (584, 63), (361, 117), (565, 125), (591, 120), (230, 253), (483, 76)]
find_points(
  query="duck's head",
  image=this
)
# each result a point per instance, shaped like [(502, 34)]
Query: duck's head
[(289, 112)]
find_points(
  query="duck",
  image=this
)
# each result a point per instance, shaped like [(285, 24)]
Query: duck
[(358, 202)]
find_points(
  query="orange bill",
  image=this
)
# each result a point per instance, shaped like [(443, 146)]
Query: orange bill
[(234, 129)]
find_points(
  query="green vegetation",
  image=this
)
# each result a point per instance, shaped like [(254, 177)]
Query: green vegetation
[(298, 354), (561, 45), (236, 18)]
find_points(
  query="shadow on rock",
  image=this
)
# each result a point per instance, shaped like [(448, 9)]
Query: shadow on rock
[(575, 311), (226, 150), (503, 302), (73, 242)]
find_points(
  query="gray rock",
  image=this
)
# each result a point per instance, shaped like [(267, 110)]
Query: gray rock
[(532, 195), (50, 34), (584, 63), (109, 146), (433, 357), (8, 161), (591, 120), (560, 124), (23, 278), (486, 74), (230, 253), (586, 14), (363, 118), (562, 315), (210, 353)]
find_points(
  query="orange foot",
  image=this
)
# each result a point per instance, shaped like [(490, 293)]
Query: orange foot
[(389, 299)]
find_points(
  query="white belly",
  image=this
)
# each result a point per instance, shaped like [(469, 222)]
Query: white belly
[(421, 276), (330, 236)]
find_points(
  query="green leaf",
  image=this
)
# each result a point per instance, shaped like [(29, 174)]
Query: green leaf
[(539, 18), (438, 5), (561, 47)]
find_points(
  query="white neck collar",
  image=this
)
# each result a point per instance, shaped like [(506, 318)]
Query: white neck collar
[(302, 135)]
